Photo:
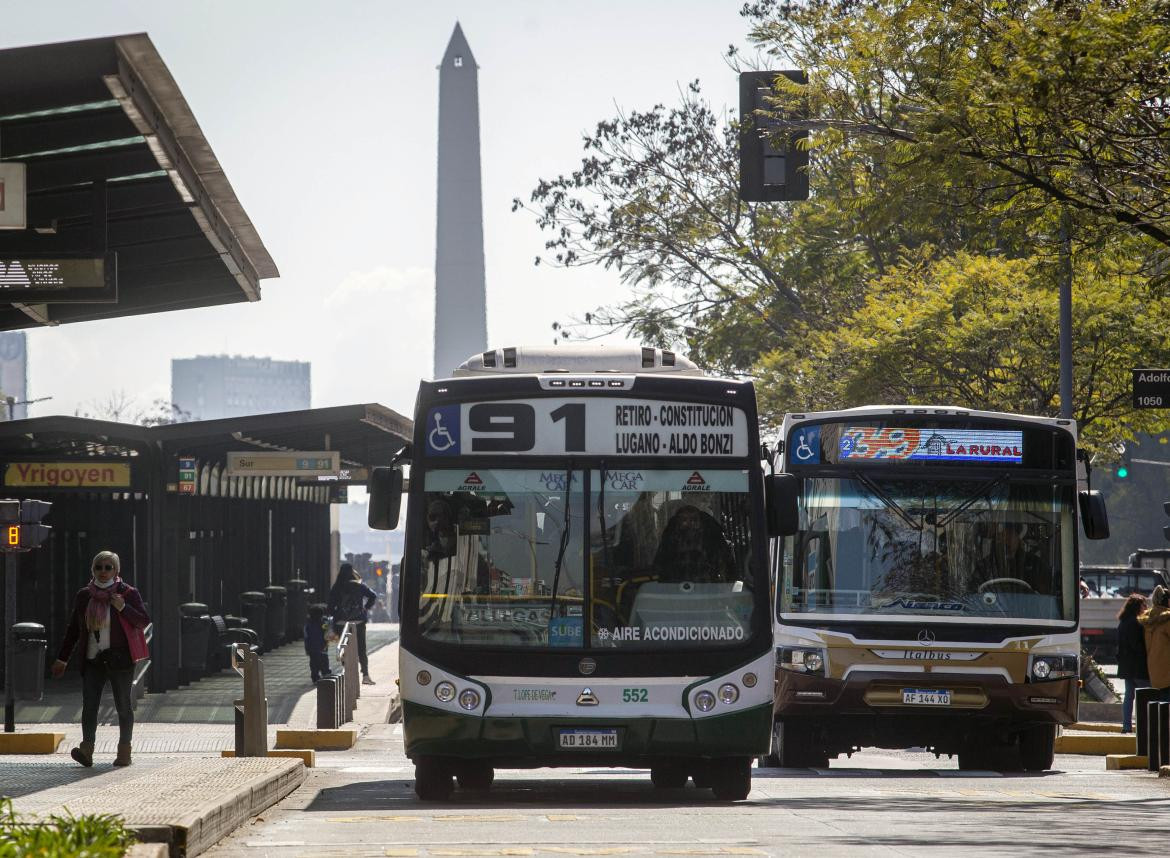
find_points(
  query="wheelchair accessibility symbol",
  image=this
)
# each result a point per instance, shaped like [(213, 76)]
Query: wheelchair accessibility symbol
[(443, 434), (808, 446)]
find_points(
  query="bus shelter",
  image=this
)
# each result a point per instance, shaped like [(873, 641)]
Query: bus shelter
[(184, 525)]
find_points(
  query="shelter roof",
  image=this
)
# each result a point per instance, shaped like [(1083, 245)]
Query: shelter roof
[(364, 435), (108, 110)]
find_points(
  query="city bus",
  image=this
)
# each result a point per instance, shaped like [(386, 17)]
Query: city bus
[(928, 597), (585, 579)]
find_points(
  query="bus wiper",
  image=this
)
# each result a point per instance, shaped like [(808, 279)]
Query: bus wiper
[(890, 503), (564, 542), (986, 489)]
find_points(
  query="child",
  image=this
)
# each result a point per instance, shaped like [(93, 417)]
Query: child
[(316, 629)]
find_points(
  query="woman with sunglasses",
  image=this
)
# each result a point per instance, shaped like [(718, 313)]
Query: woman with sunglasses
[(109, 615)]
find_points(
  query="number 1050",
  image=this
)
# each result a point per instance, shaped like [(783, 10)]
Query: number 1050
[(1149, 401)]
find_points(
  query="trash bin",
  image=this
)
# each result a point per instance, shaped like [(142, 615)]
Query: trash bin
[(297, 605), (28, 660), (194, 630), (234, 622), (254, 607), (277, 597)]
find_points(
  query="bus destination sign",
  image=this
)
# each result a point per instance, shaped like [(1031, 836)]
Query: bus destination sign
[(1151, 388), (60, 280), (602, 427)]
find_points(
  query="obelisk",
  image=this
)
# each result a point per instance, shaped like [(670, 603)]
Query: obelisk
[(460, 295)]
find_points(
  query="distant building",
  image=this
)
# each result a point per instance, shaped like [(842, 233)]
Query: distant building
[(13, 374), (210, 387)]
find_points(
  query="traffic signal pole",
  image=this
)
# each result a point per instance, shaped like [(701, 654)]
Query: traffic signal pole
[(10, 565), (1066, 276)]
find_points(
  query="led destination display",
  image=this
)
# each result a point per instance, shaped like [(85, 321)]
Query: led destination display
[(904, 444), (604, 426)]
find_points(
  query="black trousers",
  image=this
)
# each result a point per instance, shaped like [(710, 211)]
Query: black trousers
[(94, 676), (319, 664), (359, 631)]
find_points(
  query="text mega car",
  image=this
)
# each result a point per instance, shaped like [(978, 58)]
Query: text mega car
[(585, 579), (929, 597)]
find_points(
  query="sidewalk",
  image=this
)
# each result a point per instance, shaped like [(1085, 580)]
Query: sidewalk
[(179, 790)]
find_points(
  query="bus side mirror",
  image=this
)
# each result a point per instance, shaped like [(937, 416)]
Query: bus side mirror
[(1094, 517), (385, 498), (781, 492)]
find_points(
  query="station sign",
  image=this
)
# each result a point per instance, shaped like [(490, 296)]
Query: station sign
[(77, 474), (1151, 388), (13, 213), (186, 475), (344, 477), (297, 463), (59, 279)]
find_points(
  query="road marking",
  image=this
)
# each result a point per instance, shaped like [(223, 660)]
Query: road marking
[(401, 853), (481, 817), (565, 817), (376, 818)]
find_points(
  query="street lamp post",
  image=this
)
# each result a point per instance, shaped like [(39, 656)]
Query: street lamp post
[(1066, 365)]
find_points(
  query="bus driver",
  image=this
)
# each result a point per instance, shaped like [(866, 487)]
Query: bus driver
[(692, 548)]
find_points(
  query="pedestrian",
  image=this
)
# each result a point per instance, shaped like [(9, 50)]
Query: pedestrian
[(1131, 655), (317, 642), (349, 602), (109, 614), (1156, 623)]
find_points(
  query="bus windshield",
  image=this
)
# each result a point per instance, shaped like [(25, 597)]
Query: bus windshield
[(989, 547), (503, 558)]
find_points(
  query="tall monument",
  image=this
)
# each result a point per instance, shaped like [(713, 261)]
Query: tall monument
[(460, 296)]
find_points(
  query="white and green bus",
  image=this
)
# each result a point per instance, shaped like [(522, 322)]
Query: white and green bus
[(585, 576)]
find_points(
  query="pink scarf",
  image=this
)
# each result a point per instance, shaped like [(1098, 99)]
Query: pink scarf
[(97, 612)]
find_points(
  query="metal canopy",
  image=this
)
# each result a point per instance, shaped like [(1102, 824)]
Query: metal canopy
[(107, 110), (364, 435)]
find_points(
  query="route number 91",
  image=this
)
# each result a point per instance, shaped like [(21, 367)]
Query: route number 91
[(510, 427)]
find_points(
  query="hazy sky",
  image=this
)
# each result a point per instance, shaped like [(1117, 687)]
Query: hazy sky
[(324, 117)]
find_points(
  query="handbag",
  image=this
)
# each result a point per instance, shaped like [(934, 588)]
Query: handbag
[(135, 638)]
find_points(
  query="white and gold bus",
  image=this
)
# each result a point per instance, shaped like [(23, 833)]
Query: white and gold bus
[(929, 597)]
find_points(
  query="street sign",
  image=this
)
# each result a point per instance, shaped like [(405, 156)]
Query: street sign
[(344, 476), (12, 196), (186, 475), (297, 463), (1151, 388), (29, 279)]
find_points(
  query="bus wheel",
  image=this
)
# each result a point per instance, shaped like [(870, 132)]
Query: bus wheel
[(668, 776), (432, 780), (1037, 748), (732, 779), (475, 775)]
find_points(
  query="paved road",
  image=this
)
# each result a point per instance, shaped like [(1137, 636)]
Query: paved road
[(879, 803)]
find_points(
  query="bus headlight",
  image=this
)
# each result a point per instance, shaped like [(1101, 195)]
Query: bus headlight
[(445, 692), (1047, 667), (728, 693), (423, 677), (801, 659), (749, 680), (469, 699), (704, 701)]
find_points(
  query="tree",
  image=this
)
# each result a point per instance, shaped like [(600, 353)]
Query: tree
[(121, 407), (914, 177)]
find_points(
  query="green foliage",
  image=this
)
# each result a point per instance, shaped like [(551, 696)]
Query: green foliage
[(955, 145), (93, 836)]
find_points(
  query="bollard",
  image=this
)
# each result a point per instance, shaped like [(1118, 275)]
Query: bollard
[(327, 703), (1142, 698), (1153, 738), (252, 711), (1164, 734)]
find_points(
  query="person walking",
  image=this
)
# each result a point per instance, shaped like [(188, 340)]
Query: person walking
[(316, 642), (1156, 624), (1131, 655), (110, 616), (349, 602)]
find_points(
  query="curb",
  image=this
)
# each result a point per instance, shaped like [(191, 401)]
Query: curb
[(30, 743), (308, 756), (319, 740), (1096, 744), (1095, 727), (1115, 762), (146, 850), (1164, 772)]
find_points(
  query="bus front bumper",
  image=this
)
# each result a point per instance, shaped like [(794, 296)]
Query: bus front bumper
[(521, 742)]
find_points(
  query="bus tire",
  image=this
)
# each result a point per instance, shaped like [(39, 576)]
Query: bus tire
[(1037, 748), (732, 779), (475, 775), (668, 776), (432, 780)]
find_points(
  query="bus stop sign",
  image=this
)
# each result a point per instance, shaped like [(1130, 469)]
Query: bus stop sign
[(1151, 388)]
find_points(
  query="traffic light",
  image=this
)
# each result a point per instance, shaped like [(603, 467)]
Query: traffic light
[(773, 162), (21, 521), (1124, 463)]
